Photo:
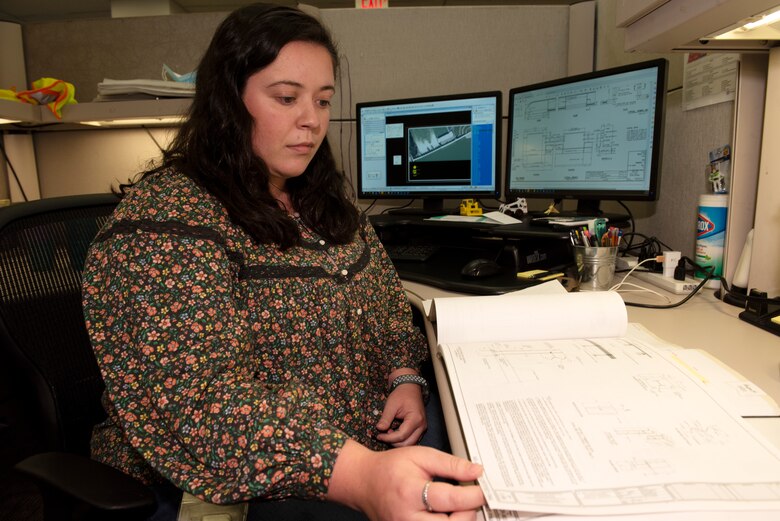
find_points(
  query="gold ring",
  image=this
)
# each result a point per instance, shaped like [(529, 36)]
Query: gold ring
[(425, 496)]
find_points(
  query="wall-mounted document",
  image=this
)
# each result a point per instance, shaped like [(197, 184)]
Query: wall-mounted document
[(571, 410)]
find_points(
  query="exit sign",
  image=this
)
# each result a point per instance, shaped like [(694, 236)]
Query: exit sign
[(372, 4)]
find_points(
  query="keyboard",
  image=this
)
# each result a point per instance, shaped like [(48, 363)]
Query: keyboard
[(411, 252)]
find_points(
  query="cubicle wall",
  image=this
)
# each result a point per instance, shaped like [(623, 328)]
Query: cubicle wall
[(395, 52), (391, 53)]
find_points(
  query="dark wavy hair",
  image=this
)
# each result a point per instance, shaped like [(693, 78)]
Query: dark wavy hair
[(214, 145)]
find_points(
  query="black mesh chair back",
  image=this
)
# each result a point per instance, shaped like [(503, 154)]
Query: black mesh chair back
[(43, 340)]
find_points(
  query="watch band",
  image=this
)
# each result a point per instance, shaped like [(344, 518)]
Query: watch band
[(411, 379)]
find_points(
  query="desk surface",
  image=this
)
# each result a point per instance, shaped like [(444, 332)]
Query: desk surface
[(703, 322)]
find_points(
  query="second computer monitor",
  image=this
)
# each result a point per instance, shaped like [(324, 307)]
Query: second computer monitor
[(430, 148), (591, 137)]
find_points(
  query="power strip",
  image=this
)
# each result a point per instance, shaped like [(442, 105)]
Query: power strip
[(679, 287)]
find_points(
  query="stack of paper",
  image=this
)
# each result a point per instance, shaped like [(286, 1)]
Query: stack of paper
[(112, 90)]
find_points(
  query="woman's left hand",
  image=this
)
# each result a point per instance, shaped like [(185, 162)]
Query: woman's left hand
[(404, 404)]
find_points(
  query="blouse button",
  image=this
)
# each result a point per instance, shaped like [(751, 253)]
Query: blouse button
[(359, 311), (376, 412), (344, 272), (322, 242)]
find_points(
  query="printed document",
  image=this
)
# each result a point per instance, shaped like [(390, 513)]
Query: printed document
[(573, 411)]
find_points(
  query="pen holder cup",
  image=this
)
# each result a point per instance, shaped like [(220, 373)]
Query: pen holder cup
[(595, 266)]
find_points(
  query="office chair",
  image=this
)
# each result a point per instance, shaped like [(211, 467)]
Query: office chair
[(50, 367)]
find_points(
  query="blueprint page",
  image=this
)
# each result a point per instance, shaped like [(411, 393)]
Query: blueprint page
[(603, 426)]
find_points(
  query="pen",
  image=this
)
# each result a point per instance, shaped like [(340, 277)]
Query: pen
[(589, 239)]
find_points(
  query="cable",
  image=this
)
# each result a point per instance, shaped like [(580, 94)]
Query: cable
[(486, 207), (348, 120), (349, 138), (617, 286), (398, 207), (631, 220), (151, 136), (13, 170), (642, 289), (341, 118), (370, 206), (650, 247), (709, 275)]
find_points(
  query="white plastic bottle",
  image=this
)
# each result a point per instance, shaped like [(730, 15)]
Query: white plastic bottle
[(711, 234)]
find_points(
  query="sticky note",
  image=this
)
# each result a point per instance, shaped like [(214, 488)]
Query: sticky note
[(539, 275)]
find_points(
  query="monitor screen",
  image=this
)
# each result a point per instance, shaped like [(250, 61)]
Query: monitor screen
[(430, 148), (591, 137)]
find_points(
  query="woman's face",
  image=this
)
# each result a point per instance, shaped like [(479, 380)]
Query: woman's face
[(289, 101)]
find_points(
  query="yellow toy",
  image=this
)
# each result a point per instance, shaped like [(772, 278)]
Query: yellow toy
[(470, 207), (51, 92)]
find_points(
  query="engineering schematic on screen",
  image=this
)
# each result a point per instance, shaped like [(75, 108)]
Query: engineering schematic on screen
[(584, 136)]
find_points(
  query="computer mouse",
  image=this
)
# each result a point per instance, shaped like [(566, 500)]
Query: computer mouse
[(480, 268)]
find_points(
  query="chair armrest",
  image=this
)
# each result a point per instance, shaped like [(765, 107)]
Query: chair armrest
[(89, 481)]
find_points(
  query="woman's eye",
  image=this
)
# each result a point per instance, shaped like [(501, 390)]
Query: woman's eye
[(286, 100), (324, 103)]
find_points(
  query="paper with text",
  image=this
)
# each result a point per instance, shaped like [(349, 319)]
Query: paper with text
[(598, 426)]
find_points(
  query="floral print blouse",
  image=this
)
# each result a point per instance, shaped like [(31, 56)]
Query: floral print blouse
[(233, 369)]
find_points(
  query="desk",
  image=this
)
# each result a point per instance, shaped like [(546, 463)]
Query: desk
[(703, 322)]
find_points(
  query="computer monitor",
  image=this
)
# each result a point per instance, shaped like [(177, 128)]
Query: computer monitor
[(430, 148), (591, 137)]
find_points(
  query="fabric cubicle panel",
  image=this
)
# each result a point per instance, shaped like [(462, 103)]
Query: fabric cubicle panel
[(390, 53), (394, 53), (419, 51)]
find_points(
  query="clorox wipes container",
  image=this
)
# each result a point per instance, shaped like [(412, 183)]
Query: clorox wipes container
[(711, 235)]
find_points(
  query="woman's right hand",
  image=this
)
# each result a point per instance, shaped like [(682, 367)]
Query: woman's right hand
[(388, 486)]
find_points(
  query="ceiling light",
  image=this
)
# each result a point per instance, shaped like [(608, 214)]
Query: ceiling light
[(754, 28), (764, 20)]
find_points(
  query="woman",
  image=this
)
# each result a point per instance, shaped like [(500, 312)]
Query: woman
[(254, 338)]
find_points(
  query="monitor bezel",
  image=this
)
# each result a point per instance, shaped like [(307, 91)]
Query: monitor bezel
[(494, 193), (662, 65)]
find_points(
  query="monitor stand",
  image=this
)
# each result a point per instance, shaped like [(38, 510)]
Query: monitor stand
[(432, 206)]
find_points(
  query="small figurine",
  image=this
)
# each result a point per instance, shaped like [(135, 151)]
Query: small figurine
[(517, 209), (470, 207)]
